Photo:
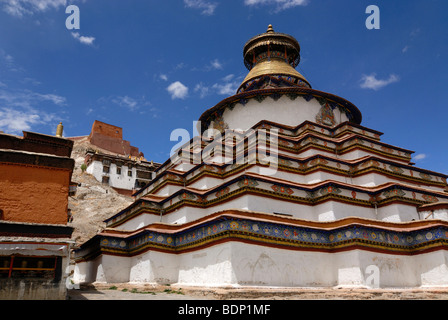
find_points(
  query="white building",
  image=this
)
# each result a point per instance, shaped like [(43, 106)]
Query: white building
[(120, 172), (314, 199)]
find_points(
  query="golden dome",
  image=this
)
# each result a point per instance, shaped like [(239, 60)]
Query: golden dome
[(272, 54)]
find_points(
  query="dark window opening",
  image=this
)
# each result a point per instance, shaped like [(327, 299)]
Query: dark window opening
[(283, 214), (25, 267)]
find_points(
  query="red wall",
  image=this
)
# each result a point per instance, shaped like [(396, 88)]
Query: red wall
[(34, 194)]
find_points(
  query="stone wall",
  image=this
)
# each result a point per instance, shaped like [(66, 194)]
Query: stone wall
[(32, 289)]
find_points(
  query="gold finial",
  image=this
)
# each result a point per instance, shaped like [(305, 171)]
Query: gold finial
[(270, 29), (59, 130)]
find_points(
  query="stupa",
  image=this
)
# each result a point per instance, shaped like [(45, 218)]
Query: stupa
[(284, 187)]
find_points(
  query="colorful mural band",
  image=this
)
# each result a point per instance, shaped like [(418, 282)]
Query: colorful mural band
[(286, 236)]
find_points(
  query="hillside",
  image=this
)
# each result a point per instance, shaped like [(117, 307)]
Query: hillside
[(94, 202)]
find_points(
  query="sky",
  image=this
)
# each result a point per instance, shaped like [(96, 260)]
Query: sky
[(152, 66)]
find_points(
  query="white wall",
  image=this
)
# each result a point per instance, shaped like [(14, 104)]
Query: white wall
[(154, 267), (242, 264), (284, 111), (207, 267), (326, 211), (121, 181)]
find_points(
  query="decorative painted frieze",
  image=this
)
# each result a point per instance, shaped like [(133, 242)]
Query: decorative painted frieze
[(364, 234)]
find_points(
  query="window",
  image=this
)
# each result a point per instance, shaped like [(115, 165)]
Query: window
[(106, 169), (105, 180), (130, 173), (118, 170), (23, 267)]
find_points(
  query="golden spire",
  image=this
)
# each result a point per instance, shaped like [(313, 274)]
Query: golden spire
[(59, 130), (272, 54)]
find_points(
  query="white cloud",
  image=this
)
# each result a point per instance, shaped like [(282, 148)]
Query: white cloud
[(85, 40), (19, 110), (58, 100), (226, 87), (132, 104), (126, 101), (215, 64), (177, 90), (228, 77), (420, 156), (27, 98), (8, 62), (371, 82), (22, 109), (164, 77), (32, 81), (203, 90), (279, 4), (19, 8), (405, 49), (208, 8), (14, 121)]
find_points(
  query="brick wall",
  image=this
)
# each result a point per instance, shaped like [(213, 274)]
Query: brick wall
[(110, 138)]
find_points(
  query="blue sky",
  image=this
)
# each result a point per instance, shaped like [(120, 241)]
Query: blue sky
[(154, 66)]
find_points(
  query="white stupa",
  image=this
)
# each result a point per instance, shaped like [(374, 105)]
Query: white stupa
[(283, 188)]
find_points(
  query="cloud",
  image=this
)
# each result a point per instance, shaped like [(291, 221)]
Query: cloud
[(84, 40), (164, 77), (203, 90), (177, 90), (132, 104), (227, 87), (280, 5), (228, 77), (126, 102), (58, 100), (14, 121), (215, 64), (8, 62), (31, 81), (208, 8), (371, 82), (19, 110), (420, 156), (22, 109), (19, 8), (27, 98), (405, 49)]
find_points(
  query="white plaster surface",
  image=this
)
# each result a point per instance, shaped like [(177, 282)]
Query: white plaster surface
[(121, 181), (284, 111), (241, 264)]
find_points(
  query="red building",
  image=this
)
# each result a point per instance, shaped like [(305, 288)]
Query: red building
[(35, 175)]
